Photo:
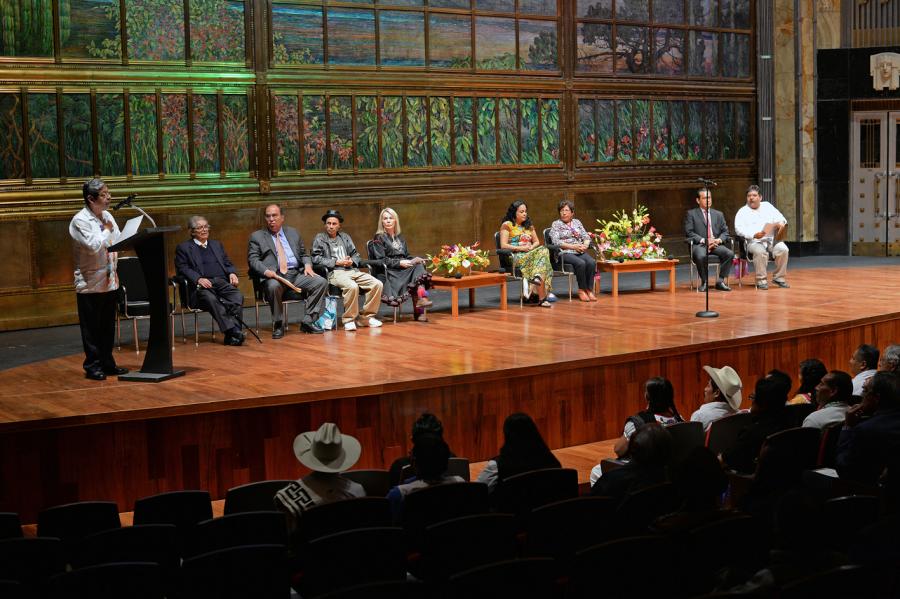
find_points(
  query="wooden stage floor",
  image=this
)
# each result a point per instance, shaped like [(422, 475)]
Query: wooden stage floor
[(577, 368)]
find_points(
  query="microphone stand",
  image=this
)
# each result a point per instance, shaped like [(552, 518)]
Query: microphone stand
[(707, 313), (129, 202)]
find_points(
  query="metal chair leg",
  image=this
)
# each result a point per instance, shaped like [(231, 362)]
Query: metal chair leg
[(183, 335), (137, 347), (256, 307), (196, 331)]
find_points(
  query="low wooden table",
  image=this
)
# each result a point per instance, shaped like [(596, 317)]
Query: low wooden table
[(470, 282), (651, 266)]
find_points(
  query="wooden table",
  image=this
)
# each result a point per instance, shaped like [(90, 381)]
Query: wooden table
[(651, 266), (470, 282)]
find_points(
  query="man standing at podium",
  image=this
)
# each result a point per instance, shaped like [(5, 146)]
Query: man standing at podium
[(212, 279), (93, 230)]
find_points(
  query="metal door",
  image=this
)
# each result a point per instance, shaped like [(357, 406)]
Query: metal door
[(875, 187)]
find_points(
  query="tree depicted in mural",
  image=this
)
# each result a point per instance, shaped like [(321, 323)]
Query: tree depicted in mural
[(27, 26), (12, 158), (287, 140), (235, 134), (314, 132), (542, 51)]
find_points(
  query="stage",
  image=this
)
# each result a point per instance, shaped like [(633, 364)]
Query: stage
[(577, 368)]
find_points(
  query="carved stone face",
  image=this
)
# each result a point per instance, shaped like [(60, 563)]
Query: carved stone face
[(885, 68)]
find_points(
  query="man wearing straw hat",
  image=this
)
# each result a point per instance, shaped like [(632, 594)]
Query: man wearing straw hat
[(721, 396), (327, 453)]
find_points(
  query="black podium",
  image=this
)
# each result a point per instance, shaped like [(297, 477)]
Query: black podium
[(150, 245)]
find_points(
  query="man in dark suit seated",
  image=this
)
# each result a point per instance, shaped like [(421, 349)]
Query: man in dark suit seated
[(870, 440), (212, 280), (278, 250), (708, 235)]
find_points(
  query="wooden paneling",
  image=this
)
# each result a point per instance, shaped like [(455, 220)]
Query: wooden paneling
[(15, 240), (53, 252)]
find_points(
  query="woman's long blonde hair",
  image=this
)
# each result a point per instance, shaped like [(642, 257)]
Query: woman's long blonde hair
[(392, 212)]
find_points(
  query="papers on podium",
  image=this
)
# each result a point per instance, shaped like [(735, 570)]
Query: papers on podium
[(131, 227)]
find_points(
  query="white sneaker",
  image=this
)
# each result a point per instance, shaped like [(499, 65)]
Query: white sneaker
[(374, 322), (350, 326)]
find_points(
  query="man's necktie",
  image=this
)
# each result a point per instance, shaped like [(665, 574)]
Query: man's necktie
[(282, 256), (708, 228)]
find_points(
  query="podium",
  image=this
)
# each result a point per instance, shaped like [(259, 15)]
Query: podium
[(150, 245)]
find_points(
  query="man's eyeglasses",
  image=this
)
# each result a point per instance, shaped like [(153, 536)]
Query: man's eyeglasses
[(202, 228)]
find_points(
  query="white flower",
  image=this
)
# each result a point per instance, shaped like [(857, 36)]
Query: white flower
[(466, 264)]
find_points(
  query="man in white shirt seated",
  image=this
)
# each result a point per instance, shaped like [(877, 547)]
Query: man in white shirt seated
[(833, 396), (761, 224), (863, 364), (721, 396)]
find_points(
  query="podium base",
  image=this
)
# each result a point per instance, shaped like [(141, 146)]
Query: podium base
[(150, 377), (700, 314)]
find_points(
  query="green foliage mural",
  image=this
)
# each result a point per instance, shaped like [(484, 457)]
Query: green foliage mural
[(79, 151), (214, 24), (12, 157), (487, 131), (416, 131), (27, 27), (462, 130), (550, 131), (660, 130), (111, 134), (235, 133), (142, 114), (529, 131), (440, 131), (339, 115), (173, 121), (508, 127), (42, 136), (287, 138), (314, 132), (206, 134), (367, 131), (392, 132)]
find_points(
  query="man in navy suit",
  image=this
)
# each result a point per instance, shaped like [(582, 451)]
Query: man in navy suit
[(712, 235), (212, 281)]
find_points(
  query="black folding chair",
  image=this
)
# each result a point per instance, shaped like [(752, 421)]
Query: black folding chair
[(253, 497), (339, 516), (234, 530), (135, 580), (376, 482), (10, 526), (74, 521), (459, 544), (528, 578), (524, 492), (258, 571)]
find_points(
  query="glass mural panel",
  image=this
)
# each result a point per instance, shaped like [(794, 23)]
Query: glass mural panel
[(594, 51), (632, 49), (487, 131), (623, 122), (462, 130), (416, 131), (92, 30), (727, 136), (668, 11), (12, 157), (142, 116), (668, 46), (606, 130), (351, 36), (314, 144), (594, 9), (206, 134), (495, 43), (235, 133), (155, 29), (111, 133), (703, 55), (679, 131), (287, 133), (297, 35), (537, 7), (79, 150), (392, 131), (27, 28), (367, 131), (736, 55), (694, 130), (642, 137), (496, 5), (529, 131), (402, 38), (440, 131), (450, 3), (173, 119), (660, 130), (711, 123), (702, 12), (217, 30), (449, 39), (537, 45), (341, 141), (550, 131), (402, 2), (742, 120), (43, 136), (587, 132), (509, 126), (735, 14), (633, 10)]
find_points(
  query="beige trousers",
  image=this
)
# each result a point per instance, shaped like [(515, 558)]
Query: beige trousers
[(350, 282), (760, 256)]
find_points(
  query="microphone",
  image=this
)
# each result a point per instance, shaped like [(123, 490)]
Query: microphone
[(707, 182), (126, 202)]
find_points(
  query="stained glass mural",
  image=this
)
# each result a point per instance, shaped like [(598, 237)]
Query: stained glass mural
[(43, 138), (668, 11), (711, 126), (496, 5), (495, 43), (642, 139), (462, 130), (341, 132), (235, 134), (287, 136), (606, 131), (173, 119), (703, 53), (509, 126), (702, 12), (587, 133), (487, 132), (594, 9), (529, 133), (367, 131), (217, 30), (660, 130), (416, 131), (155, 29), (27, 28), (351, 36), (142, 116), (632, 49), (623, 122), (93, 30), (679, 131), (735, 14), (79, 150), (392, 131), (728, 149), (111, 134), (314, 144), (595, 48), (12, 157), (440, 131), (297, 35), (537, 7), (537, 45), (742, 120), (450, 3), (694, 130), (206, 134), (448, 37), (736, 55), (633, 10), (550, 131), (402, 38), (669, 51)]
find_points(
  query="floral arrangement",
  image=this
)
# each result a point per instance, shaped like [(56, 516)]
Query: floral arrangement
[(458, 258), (628, 237)]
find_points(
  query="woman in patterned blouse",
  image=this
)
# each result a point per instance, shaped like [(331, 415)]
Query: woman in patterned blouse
[(573, 240), (517, 234)]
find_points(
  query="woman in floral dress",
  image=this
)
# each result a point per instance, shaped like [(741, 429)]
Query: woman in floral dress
[(517, 235)]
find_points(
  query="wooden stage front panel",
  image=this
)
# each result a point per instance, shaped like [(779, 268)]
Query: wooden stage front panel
[(577, 369)]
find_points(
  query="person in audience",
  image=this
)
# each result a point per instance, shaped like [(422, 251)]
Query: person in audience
[(426, 424), (870, 440), (407, 277), (761, 224), (517, 235), (660, 396), (212, 278), (890, 359), (833, 395), (708, 237), (327, 453), (334, 250), (721, 396), (277, 251), (523, 450), (767, 408), (430, 456), (700, 482), (574, 241), (863, 364), (650, 448), (811, 372)]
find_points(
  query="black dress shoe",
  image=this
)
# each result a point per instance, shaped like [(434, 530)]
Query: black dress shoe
[(95, 375), (722, 286), (231, 339), (278, 333), (702, 287), (115, 371), (782, 284), (311, 328)]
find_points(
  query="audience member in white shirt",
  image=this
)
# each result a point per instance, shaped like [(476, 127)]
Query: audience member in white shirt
[(760, 224), (721, 396), (863, 364)]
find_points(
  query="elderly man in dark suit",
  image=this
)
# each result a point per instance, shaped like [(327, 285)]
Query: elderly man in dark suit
[(710, 235), (278, 250), (212, 280)]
